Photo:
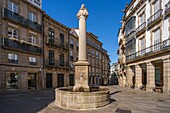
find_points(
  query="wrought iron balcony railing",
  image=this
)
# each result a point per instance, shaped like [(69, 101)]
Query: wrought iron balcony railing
[(152, 49), (57, 63), (58, 43), (141, 27), (13, 61), (15, 17), (167, 8), (155, 17), (17, 45), (32, 63)]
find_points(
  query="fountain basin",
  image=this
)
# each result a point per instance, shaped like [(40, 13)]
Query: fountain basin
[(66, 98)]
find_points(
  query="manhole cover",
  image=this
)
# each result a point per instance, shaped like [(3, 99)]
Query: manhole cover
[(118, 110)]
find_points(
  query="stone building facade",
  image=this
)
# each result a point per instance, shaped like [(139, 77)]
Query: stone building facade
[(35, 50), (96, 55), (147, 36), (20, 46), (122, 57), (56, 65)]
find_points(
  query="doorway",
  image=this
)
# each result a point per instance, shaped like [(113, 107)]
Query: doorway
[(49, 80), (60, 80), (71, 79), (32, 81)]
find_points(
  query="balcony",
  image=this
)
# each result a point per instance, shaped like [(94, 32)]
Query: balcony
[(13, 61), (15, 17), (154, 49), (155, 18), (57, 43), (32, 63), (56, 64), (130, 36), (18, 46), (141, 28), (167, 8)]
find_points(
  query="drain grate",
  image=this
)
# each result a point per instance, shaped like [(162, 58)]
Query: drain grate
[(118, 110)]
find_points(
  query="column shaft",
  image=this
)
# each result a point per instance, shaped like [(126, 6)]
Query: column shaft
[(82, 39), (138, 80), (150, 77), (166, 76), (129, 77)]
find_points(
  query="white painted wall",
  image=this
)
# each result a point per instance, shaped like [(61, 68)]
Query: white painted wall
[(165, 27)]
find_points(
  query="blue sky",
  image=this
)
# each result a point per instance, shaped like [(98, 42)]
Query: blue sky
[(103, 21)]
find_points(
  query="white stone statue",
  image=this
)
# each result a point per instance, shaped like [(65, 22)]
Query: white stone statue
[(82, 12)]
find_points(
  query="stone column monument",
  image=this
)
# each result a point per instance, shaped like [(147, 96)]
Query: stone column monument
[(81, 96), (81, 67)]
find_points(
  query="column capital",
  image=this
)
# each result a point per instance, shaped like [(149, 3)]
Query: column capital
[(83, 13), (149, 63)]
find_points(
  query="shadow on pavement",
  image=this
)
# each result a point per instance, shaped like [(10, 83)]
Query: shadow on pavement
[(115, 92)]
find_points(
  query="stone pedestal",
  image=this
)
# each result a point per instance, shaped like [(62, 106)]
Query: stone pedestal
[(166, 75), (138, 80), (81, 76), (150, 77)]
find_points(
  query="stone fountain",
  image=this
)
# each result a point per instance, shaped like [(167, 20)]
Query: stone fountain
[(82, 96)]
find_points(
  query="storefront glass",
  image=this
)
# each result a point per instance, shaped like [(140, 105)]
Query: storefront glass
[(12, 81)]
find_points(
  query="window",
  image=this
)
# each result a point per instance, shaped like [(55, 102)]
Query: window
[(62, 60), (32, 61), (51, 36), (71, 43), (12, 33), (97, 54), (97, 71), (71, 58), (156, 6), (12, 6), (61, 39), (142, 46), (130, 25), (141, 19), (51, 57), (12, 81), (88, 50), (77, 55), (92, 70), (77, 46), (13, 58), (93, 62), (32, 39), (97, 63), (157, 39), (32, 17), (37, 2), (93, 53), (89, 60), (71, 55)]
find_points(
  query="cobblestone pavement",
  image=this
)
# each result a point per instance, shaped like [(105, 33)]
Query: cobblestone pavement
[(123, 101)]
